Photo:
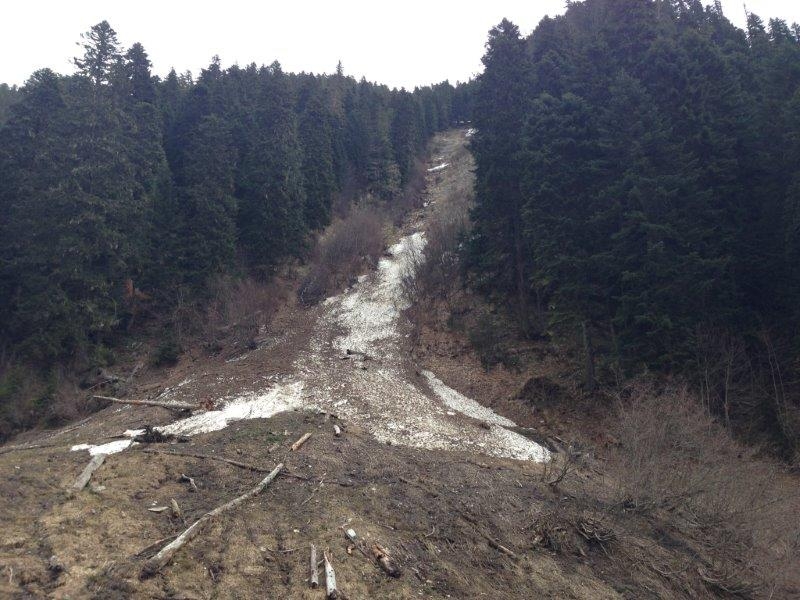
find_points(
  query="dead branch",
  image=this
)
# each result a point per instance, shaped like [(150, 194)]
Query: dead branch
[(86, 474), (171, 405), (303, 439), (235, 463), (189, 480), (166, 554)]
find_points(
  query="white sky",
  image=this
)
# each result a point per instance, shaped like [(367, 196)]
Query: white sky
[(400, 43)]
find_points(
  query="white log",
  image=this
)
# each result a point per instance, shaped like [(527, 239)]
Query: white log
[(166, 554), (314, 567), (86, 474), (303, 439), (170, 405), (330, 579)]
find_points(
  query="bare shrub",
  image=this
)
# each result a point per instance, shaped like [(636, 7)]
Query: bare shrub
[(411, 196), (240, 311), (348, 246), (674, 456)]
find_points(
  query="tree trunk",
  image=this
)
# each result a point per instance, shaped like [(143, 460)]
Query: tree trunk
[(589, 380)]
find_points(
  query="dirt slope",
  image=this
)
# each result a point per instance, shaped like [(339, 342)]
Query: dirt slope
[(457, 493)]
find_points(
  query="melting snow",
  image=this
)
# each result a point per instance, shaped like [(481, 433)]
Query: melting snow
[(250, 406), (109, 448), (370, 312), (464, 405)]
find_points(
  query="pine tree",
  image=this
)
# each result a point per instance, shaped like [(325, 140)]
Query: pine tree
[(501, 100)]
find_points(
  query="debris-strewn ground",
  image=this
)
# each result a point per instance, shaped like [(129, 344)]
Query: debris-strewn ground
[(419, 468)]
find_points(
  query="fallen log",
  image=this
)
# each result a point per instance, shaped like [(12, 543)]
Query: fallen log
[(86, 474), (235, 463), (165, 555), (170, 405), (28, 447), (500, 548), (303, 439), (157, 544), (314, 570), (330, 579)]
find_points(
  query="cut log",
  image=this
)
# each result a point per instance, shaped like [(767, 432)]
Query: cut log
[(176, 510), (330, 579), (86, 474), (301, 441), (385, 561), (170, 405), (165, 555), (314, 570)]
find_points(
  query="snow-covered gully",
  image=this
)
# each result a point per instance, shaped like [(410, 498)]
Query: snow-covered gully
[(357, 367)]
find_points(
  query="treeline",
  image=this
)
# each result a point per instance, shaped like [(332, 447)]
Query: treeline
[(638, 187), (117, 187)]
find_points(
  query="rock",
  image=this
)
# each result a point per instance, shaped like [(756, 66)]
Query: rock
[(55, 565)]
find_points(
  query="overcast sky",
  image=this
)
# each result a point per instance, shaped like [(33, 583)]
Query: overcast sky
[(400, 43)]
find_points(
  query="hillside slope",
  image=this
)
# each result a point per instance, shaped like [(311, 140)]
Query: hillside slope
[(458, 494)]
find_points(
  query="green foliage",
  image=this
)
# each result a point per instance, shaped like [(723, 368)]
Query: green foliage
[(489, 335), (123, 194), (168, 352), (637, 170)]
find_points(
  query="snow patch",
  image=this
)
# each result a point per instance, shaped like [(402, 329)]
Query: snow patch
[(464, 405), (249, 406), (370, 312), (470, 132), (109, 448), (440, 167)]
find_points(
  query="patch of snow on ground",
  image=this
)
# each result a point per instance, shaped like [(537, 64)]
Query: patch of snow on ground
[(438, 167), (470, 132), (464, 405), (250, 406), (370, 312), (109, 448)]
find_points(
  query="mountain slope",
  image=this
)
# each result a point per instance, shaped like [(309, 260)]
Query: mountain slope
[(458, 494)]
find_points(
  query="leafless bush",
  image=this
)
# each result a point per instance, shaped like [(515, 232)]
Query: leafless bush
[(347, 247), (239, 311), (412, 194), (432, 271), (750, 386), (674, 456)]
